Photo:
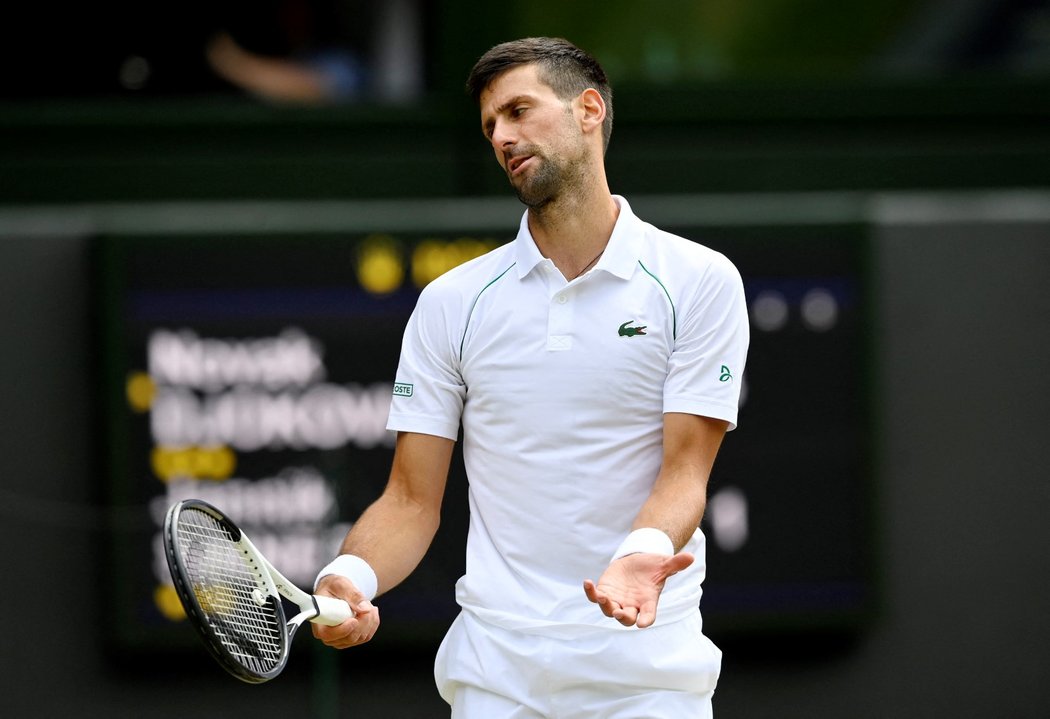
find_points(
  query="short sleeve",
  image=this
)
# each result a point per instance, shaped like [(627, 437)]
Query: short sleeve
[(428, 388), (706, 366)]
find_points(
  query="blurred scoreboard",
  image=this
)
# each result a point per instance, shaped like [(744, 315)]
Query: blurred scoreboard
[(253, 367)]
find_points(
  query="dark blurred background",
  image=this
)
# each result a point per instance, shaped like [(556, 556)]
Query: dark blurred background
[(880, 172)]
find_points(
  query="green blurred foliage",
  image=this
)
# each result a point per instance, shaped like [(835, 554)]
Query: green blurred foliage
[(663, 41)]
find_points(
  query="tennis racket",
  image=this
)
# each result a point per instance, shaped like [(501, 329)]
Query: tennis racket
[(232, 595)]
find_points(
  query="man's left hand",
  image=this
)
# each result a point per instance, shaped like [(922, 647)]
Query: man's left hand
[(628, 591)]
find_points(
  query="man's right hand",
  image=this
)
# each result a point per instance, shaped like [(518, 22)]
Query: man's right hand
[(356, 630)]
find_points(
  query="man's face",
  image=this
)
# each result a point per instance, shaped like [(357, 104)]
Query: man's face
[(533, 133)]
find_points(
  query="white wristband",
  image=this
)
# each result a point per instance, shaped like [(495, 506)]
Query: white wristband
[(648, 540), (356, 570)]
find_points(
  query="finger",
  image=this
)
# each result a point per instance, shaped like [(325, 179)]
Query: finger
[(607, 605), (626, 616), (646, 615), (337, 635), (367, 618), (355, 634), (676, 563), (591, 591), (341, 588), (354, 631)]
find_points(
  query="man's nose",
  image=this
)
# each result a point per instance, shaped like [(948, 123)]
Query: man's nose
[(502, 136)]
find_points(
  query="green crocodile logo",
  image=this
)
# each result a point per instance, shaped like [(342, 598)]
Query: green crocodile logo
[(626, 331)]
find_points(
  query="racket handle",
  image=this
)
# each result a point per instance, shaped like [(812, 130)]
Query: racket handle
[(331, 611)]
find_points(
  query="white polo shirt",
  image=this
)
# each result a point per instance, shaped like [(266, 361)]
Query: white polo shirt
[(561, 389)]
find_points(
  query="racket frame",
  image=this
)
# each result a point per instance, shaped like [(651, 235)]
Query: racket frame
[(271, 583)]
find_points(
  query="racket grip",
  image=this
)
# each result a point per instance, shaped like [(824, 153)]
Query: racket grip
[(331, 611)]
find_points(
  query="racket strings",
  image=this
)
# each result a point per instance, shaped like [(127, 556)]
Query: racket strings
[(228, 590)]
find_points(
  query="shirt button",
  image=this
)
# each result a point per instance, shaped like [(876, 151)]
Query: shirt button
[(562, 299)]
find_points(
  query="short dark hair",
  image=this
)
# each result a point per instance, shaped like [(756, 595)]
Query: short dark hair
[(567, 69)]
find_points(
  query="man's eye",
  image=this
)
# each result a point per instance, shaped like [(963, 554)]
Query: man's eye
[(517, 112)]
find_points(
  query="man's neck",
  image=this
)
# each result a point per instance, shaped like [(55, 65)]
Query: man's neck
[(575, 228)]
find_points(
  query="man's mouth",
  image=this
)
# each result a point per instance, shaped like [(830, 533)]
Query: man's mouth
[(515, 164)]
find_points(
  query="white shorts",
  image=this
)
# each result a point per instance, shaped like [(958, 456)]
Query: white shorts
[(662, 672)]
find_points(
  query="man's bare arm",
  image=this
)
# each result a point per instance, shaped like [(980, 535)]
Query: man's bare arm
[(393, 534)]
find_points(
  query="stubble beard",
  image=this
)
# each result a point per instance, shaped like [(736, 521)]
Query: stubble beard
[(556, 173), (542, 187), (550, 180)]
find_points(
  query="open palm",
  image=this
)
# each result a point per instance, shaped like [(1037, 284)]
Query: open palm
[(629, 590)]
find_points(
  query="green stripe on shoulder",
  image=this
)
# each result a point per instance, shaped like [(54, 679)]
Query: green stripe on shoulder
[(674, 315), (474, 304)]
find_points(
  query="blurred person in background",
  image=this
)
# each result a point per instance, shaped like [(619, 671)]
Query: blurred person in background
[(279, 51)]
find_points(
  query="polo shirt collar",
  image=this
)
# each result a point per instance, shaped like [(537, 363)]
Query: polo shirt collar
[(621, 254)]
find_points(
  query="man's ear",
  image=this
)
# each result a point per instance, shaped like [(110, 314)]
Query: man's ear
[(592, 110)]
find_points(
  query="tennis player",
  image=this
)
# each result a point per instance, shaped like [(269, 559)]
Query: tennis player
[(594, 364)]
